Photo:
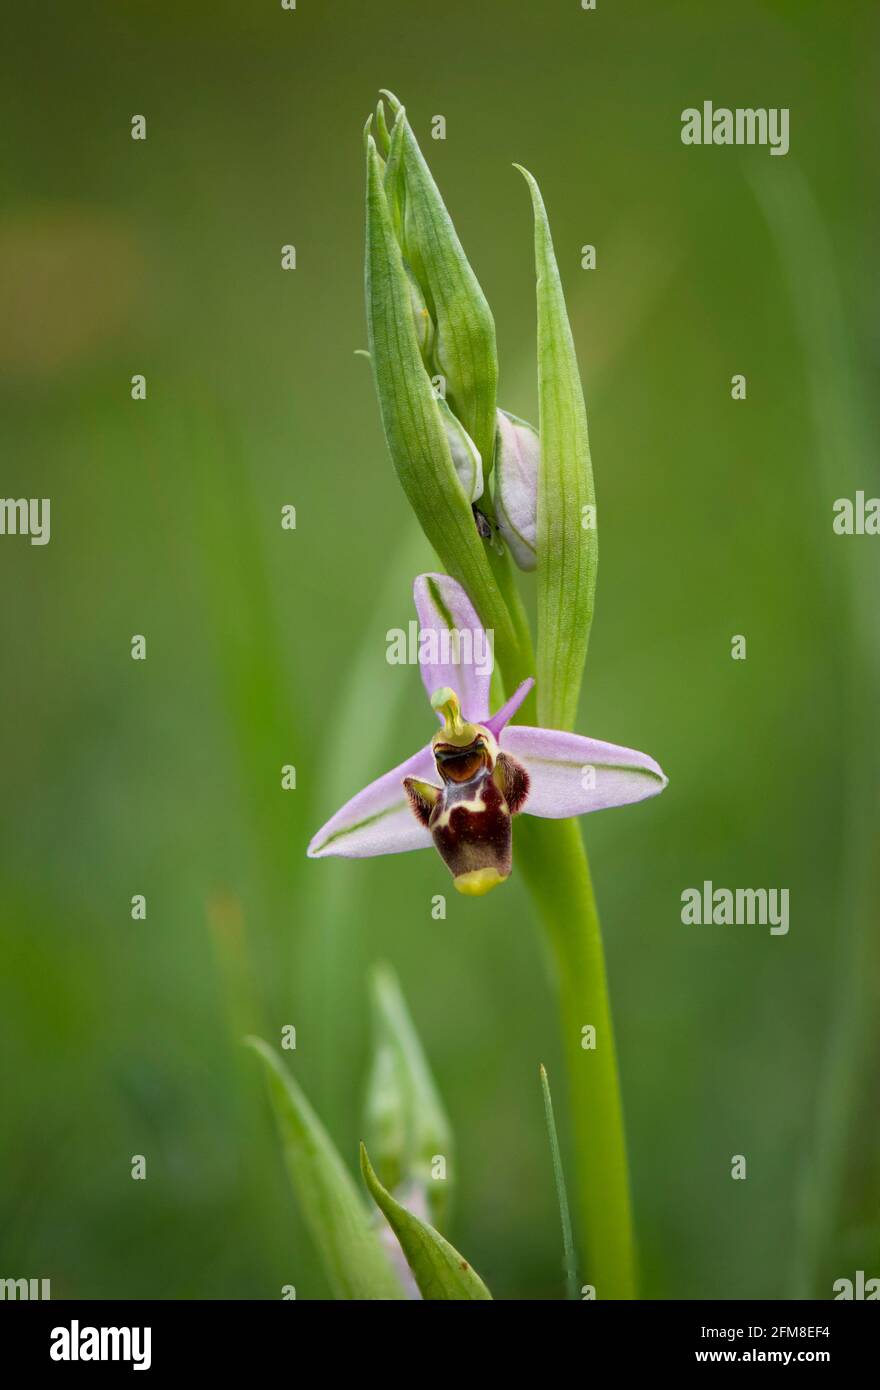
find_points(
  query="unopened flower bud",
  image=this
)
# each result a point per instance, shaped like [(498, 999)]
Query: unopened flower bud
[(465, 454), (421, 318), (517, 461), (406, 1121)]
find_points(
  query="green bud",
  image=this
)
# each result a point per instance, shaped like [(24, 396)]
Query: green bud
[(424, 324), (464, 348), (385, 1116), (465, 455), (517, 464), (416, 423), (408, 1131)]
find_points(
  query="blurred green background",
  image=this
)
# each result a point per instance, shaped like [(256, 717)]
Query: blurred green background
[(266, 647)]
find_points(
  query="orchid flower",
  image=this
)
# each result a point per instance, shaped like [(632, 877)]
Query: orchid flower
[(488, 769)]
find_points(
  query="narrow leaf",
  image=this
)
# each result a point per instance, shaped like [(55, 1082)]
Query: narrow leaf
[(355, 1263), (568, 1256), (438, 1268), (567, 541)]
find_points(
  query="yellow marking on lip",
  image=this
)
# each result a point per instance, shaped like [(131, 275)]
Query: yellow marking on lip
[(478, 881), (474, 806)]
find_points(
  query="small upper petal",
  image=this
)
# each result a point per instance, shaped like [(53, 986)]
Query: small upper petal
[(571, 775), (378, 820), (454, 649), (496, 722)]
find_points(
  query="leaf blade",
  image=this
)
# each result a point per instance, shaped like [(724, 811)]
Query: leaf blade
[(356, 1265), (567, 549), (441, 1273)]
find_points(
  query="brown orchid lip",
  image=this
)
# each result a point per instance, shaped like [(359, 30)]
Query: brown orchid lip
[(460, 764)]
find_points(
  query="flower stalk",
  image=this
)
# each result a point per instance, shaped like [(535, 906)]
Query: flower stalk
[(554, 861)]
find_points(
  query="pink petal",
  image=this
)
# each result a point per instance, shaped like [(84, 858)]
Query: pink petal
[(378, 820), (571, 775), (462, 655)]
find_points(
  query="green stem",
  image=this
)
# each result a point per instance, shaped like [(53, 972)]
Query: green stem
[(554, 861), (557, 871), (521, 659)]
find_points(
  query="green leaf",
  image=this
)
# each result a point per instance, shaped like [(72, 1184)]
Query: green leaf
[(413, 425), (568, 1256), (356, 1265), (438, 1268), (567, 548), (407, 1126), (464, 350)]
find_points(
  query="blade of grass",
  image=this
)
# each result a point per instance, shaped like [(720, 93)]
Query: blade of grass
[(568, 1255)]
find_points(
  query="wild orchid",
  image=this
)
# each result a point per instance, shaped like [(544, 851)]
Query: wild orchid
[(489, 491), (489, 770)]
